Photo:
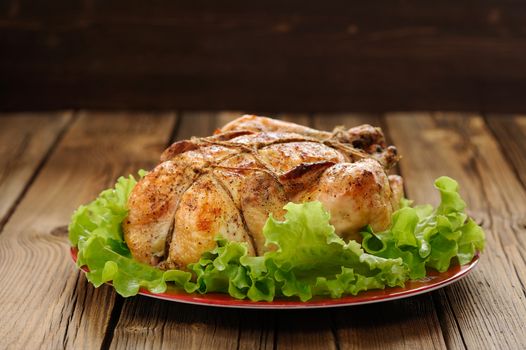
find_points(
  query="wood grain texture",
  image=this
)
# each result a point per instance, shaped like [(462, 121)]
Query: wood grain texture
[(510, 132), (404, 324), (26, 140), (448, 323), (305, 329), (294, 56), (146, 323), (45, 301), (489, 305), (258, 329)]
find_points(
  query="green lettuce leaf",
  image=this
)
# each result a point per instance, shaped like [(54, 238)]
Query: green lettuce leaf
[(95, 229), (430, 238), (311, 258), (307, 257)]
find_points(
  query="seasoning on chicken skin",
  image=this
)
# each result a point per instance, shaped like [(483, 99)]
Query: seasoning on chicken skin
[(230, 182)]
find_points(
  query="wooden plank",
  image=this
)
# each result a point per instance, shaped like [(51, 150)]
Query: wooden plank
[(404, 324), (410, 323), (305, 329), (258, 329), (490, 304), (45, 301), (25, 141), (510, 132), (448, 323), (147, 323), (397, 56)]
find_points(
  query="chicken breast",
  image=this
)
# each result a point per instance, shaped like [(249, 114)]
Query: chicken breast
[(230, 182)]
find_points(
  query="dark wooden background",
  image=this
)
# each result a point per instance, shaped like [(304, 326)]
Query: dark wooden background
[(303, 56)]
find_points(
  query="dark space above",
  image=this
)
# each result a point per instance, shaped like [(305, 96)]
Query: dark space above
[(303, 56)]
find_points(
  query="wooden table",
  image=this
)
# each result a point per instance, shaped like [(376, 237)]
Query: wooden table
[(51, 163)]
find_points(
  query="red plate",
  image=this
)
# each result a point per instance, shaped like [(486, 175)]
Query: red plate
[(434, 280)]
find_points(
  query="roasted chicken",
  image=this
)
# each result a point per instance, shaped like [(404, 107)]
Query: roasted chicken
[(230, 182)]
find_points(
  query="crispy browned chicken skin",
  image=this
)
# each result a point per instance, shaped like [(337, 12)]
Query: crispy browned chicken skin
[(229, 183)]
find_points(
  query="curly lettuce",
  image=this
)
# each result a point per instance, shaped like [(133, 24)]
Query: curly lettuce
[(308, 258), (96, 231), (429, 238)]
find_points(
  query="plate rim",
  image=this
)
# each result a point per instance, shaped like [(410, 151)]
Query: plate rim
[(223, 300)]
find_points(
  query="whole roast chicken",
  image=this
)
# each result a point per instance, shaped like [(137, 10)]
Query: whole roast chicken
[(230, 182)]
